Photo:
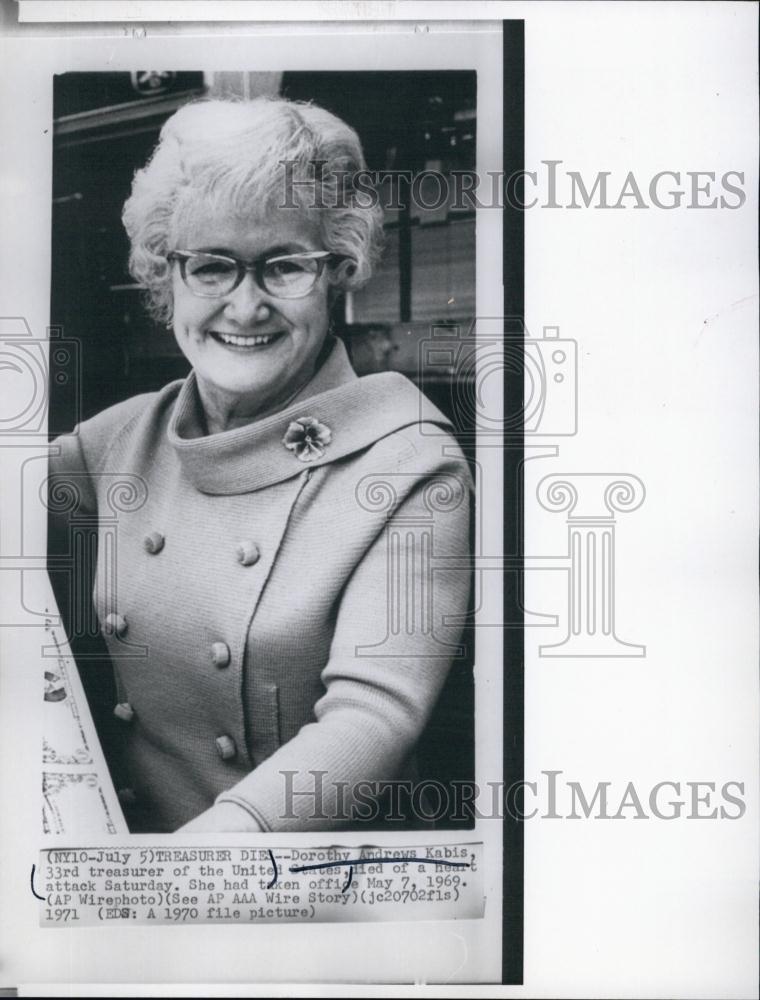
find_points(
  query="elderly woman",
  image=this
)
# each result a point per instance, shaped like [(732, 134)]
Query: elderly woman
[(287, 596)]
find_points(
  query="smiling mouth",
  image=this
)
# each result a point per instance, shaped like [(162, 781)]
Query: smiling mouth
[(236, 340)]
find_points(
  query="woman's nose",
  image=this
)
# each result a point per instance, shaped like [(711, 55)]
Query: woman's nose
[(248, 303)]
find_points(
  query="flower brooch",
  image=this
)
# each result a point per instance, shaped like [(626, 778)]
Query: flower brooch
[(307, 438)]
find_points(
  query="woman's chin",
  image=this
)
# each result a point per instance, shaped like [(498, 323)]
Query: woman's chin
[(245, 371), (233, 391)]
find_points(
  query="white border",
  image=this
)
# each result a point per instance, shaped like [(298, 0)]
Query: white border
[(450, 951), (664, 307)]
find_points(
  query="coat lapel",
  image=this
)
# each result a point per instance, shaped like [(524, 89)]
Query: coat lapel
[(336, 415)]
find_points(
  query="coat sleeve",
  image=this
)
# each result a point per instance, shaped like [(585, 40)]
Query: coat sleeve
[(397, 632), (74, 467), (70, 493)]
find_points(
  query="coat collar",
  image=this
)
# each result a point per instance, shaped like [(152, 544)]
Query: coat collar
[(351, 412)]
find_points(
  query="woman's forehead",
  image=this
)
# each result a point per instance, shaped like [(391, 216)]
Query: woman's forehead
[(250, 235)]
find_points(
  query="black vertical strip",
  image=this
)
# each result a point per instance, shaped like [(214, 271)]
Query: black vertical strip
[(513, 36), (405, 262)]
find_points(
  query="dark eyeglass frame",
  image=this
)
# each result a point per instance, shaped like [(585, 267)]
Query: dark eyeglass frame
[(256, 267)]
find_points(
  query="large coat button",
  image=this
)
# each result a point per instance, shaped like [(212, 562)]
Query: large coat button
[(225, 747), (154, 542), (124, 711), (247, 552), (115, 624), (220, 654)]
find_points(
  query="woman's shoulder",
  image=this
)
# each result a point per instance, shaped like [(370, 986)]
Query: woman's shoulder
[(96, 435), (410, 435)]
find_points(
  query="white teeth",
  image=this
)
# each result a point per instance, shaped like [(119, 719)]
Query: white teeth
[(230, 338)]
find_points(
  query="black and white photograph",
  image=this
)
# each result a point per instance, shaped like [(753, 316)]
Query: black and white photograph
[(264, 291), (379, 498)]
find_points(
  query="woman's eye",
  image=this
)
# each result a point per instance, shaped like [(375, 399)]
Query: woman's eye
[(283, 268)]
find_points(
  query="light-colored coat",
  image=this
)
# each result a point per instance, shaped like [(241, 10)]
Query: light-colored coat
[(273, 610)]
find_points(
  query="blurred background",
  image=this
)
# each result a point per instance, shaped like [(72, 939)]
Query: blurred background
[(105, 127)]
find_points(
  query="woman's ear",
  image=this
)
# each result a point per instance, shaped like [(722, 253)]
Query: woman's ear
[(342, 272)]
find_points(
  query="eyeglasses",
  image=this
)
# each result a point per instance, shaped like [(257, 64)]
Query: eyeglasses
[(287, 276)]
